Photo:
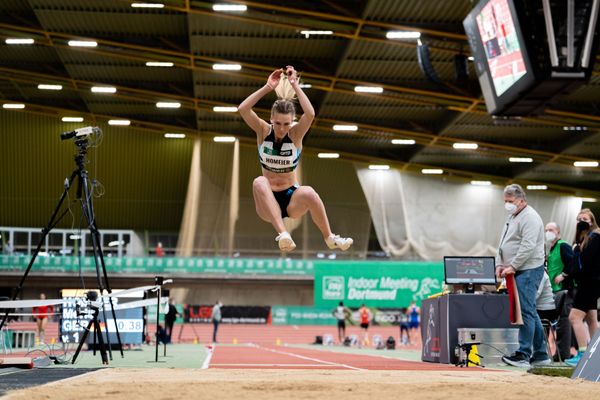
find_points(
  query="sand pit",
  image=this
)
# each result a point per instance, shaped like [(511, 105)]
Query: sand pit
[(134, 384)]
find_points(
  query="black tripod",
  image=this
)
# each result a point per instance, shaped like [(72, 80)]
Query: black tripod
[(92, 297), (84, 196)]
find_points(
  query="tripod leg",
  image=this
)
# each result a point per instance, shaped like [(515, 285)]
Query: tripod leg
[(157, 320), (101, 340), (95, 339), (82, 341), (51, 224), (88, 210)]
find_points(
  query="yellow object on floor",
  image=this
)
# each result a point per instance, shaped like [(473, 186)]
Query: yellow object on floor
[(473, 357)]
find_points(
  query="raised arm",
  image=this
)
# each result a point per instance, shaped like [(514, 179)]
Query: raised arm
[(299, 130), (245, 108)]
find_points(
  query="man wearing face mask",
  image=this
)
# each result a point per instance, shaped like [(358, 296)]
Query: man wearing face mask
[(559, 256), (521, 252), (585, 270)]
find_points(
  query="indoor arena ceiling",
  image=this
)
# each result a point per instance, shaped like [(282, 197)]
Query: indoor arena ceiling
[(193, 37)]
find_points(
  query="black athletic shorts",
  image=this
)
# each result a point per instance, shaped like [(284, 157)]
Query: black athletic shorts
[(283, 199), (364, 326), (586, 297), (341, 323)]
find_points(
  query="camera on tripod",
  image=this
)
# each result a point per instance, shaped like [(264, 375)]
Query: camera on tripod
[(91, 295), (81, 133)]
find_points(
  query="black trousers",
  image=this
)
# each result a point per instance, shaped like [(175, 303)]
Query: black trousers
[(169, 328), (563, 328), (215, 329)]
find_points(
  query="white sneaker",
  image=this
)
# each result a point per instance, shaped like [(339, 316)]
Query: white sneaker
[(337, 242), (540, 363), (286, 243)]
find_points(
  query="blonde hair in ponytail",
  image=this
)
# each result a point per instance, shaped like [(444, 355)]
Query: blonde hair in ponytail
[(284, 89), (286, 96)]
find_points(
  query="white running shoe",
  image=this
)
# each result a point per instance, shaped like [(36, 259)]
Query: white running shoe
[(286, 243), (337, 242)]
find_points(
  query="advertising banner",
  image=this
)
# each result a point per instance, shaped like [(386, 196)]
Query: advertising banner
[(376, 284), (306, 315), (298, 315), (162, 265), (230, 314)]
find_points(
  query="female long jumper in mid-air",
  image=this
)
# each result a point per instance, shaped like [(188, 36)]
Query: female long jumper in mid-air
[(277, 193)]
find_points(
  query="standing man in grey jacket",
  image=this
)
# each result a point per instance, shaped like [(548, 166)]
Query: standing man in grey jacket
[(521, 252)]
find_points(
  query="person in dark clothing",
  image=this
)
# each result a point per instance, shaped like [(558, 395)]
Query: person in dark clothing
[(161, 335), (585, 269), (170, 318), (559, 256), (216, 317)]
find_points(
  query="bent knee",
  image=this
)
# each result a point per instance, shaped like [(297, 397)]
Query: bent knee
[(261, 183), (308, 193)]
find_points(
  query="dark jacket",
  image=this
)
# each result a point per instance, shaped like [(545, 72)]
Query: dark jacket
[(586, 262)]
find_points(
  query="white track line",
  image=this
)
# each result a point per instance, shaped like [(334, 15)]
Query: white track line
[(208, 357), (311, 359), (270, 365)]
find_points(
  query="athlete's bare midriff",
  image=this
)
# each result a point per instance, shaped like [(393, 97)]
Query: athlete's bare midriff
[(280, 181)]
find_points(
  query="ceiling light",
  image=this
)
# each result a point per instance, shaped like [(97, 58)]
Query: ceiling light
[(72, 119), (368, 89), (328, 155), (575, 128), (537, 187), (432, 171), (175, 135), (481, 183), (230, 7), (465, 146), (346, 128), (13, 106), (104, 89), (167, 104), (115, 243), (588, 164), (19, 41), (75, 237), (520, 159), (403, 141), (147, 5), (471, 58), (379, 167), (82, 43), (402, 35), (42, 86), (122, 122), (308, 33), (226, 67), (305, 86), (159, 64), (224, 139), (588, 199), (224, 109)]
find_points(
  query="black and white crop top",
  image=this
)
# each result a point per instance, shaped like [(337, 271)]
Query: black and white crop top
[(278, 157)]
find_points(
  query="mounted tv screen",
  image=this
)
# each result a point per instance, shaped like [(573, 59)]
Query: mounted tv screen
[(497, 31), (499, 52)]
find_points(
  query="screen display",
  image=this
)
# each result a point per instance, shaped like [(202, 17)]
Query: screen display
[(502, 48), (76, 315), (470, 270)]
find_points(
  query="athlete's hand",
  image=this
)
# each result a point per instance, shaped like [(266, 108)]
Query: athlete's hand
[(291, 74), (274, 78)]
